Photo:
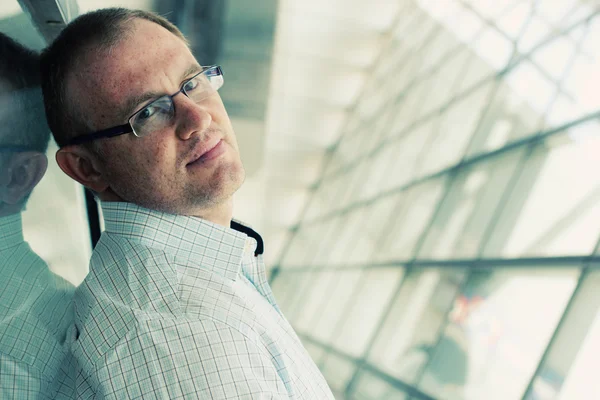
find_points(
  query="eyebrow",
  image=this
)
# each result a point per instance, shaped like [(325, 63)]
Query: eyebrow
[(132, 104)]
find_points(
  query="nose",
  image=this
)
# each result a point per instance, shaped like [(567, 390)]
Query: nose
[(191, 118)]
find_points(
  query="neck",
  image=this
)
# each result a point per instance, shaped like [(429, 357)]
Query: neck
[(220, 214), (10, 209)]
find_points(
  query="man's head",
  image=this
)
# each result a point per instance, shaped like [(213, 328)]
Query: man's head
[(104, 67), (24, 134)]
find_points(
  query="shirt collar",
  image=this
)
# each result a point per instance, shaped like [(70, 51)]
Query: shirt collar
[(11, 231), (214, 247)]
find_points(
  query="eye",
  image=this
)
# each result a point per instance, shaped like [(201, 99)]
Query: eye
[(192, 84), (146, 113)]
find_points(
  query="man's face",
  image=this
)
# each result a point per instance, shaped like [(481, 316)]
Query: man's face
[(162, 170)]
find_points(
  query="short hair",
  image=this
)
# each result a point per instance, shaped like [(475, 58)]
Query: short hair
[(23, 124), (98, 30)]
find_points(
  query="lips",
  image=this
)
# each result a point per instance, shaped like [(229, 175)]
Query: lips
[(207, 152)]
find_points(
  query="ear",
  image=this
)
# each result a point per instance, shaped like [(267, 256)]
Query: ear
[(83, 166), (22, 172)]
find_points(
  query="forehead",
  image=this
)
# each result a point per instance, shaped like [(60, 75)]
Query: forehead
[(148, 58)]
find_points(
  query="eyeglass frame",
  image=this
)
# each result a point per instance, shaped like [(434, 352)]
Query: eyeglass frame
[(128, 128)]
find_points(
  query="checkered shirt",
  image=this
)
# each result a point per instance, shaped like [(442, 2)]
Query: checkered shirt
[(35, 313), (176, 307)]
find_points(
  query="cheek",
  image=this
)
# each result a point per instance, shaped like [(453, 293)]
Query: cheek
[(142, 161), (158, 161)]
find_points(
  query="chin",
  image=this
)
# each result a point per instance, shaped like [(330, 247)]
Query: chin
[(235, 178), (224, 185)]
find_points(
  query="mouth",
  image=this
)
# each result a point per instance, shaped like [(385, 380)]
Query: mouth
[(209, 152)]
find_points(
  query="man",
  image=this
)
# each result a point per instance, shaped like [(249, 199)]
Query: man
[(176, 304), (35, 304)]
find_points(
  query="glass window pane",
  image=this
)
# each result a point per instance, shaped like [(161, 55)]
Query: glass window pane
[(380, 167), (447, 79), (569, 371), (312, 300), (338, 372), (325, 236), (346, 237), (296, 254), (491, 9), (283, 286), (475, 72), (496, 333), (413, 102), (555, 56), (513, 21), (535, 32), (328, 239), (529, 83), (294, 304), (456, 127), (494, 48), (376, 225), (581, 83), (554, 207), (346, 196), (315, 351), (506, 119), (410, 149), (370, 387), (555, 11), (469, 207), (416, 38), (335, 305), (414, 322), (418, 205), (370, 301)]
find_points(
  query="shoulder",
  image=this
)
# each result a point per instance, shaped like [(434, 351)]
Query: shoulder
[(127, 283), (127, 274), (200, 357)]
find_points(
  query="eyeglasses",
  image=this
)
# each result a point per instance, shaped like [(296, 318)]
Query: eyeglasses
[(158, 114)]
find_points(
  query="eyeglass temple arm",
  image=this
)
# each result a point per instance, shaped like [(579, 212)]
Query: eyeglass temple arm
[(106, 133)]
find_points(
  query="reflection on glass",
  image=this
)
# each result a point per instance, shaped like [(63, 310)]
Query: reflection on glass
[(374, 227), (506, 119), (414, 322), (456, 127), (554, 208), (466, 211), (409, 150), (496, 334), (334, 305), (344, 238), (338, 372), (292, 300), (35, 310), (327, 239), (410, 220), (571, 366), (487, 155), (365, 309), (313, 299), (371, 387)]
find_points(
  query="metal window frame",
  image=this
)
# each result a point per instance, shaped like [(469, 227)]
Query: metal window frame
[(528, 144)]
